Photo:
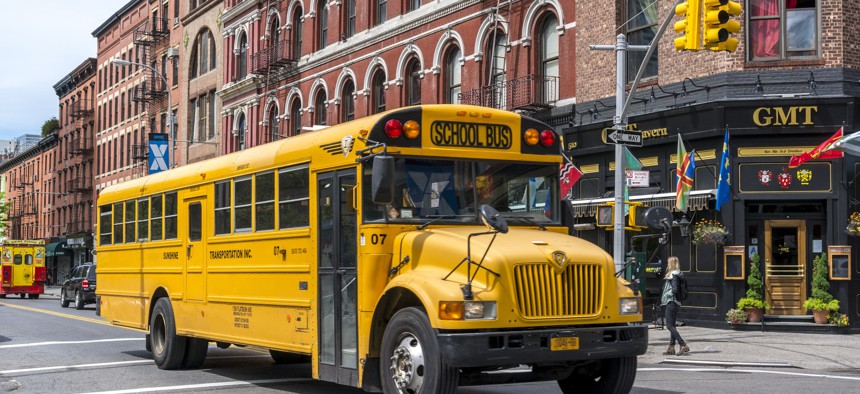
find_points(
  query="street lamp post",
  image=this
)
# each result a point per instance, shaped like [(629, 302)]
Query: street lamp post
[(170, 120)]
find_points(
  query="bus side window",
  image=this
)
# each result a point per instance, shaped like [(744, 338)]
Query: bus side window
[(28, 259), (195, 222), (17, 259), (105, 225)]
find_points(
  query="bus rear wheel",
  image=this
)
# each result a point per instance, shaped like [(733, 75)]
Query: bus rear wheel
[(410, 357), (22, 295), (168, 349), (195, 353), (615, 375)]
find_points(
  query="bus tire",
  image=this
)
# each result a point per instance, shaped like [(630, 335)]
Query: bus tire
[(2, 295), (195, 353), (79, 300), (35, 296), (614, 375), (289, 358), (410, 359), (22, 295), (168, 349), (64, 302)]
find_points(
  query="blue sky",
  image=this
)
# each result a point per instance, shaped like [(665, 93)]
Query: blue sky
[(41, 42)]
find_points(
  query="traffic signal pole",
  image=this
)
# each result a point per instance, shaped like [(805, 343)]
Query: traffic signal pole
[(620, 122)]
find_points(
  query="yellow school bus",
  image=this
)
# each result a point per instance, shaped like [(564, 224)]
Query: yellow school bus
[(409, 251), (22, 268)]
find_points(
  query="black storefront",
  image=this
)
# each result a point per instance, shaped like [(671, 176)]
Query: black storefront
[(788, 216)]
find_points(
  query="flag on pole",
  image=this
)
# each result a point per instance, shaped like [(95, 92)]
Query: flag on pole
[(568, 176), (823, 151), (724, 186), (685, 181), (633, 164)]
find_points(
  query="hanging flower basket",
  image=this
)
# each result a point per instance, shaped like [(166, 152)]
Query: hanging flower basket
[(709, 232), (853, 227)]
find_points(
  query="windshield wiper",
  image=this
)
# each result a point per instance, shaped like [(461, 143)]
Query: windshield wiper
[(527, 220), (436, 218)]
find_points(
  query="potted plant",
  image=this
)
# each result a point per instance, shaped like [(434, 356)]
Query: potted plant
[(754, 302), (736, 316), (709, 232), (838, 319), (821, 302)]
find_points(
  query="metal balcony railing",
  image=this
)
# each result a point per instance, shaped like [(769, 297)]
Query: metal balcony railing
[(276, 55), (78, 225), (139, 151), (82, 108), (529, 93), (80, 145), (147, 92), (77, 184)]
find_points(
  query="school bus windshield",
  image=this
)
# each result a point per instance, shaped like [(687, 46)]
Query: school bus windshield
[(450, 191)]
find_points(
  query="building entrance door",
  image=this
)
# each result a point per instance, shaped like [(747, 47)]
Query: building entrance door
[(785, 266)]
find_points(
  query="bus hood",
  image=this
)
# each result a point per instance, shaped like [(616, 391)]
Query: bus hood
[(441, 249)]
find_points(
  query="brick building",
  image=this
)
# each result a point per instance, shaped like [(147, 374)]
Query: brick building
[(71, 191), (29, 181), (293, 66), (794, 77), (133, 101)]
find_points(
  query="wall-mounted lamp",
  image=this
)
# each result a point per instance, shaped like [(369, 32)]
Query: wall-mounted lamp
[(652, 98), (683, 225), (758, 86), (811, 82), (684, 87)]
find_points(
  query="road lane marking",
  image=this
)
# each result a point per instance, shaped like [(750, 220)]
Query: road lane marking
[(49, 343), (66, 315), (72, 367), (25, 371), (807, 375), (206, 386)]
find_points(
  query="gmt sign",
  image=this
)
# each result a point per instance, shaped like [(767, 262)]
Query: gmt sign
[(626, 137)]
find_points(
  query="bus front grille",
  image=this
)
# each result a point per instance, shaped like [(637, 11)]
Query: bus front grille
[(544, 292)]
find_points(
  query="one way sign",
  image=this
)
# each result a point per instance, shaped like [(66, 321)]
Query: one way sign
[(626, 137)]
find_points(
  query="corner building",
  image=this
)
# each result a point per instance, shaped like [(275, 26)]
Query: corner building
[(294, 66), (789, 86)]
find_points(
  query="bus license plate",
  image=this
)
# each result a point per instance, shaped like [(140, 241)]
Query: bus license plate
[(564, 343)]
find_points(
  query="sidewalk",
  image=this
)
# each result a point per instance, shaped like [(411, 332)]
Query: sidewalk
[(711, 347)]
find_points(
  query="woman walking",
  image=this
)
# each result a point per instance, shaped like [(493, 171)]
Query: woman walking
[(671, 305)]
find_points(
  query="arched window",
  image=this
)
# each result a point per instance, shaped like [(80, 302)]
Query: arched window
[(202, 54), (347, 110), (377, 94), (412, 74), (274, 130), (319, 108), (452, 75), (322, 23), (242, 57), (297, 33), (241, 130), (295, 118), (274, 34), (349, 18), (548, 58), (496, 68)]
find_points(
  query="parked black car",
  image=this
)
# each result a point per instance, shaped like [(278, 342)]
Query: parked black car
[(80, 286)]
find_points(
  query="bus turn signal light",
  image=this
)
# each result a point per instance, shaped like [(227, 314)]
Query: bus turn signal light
[(547, 138), (393, 128), (531, 136), (451, 310), (411, 129)]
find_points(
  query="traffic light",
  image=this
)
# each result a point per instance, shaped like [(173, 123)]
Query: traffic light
[(689, 27), (719, 25)]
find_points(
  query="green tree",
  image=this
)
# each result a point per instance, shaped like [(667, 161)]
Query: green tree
[(4, 210), (754, 297), (820, 284), (50, 126)]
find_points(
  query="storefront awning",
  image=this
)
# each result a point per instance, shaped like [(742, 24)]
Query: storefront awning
[(54, 249), (698, 201)]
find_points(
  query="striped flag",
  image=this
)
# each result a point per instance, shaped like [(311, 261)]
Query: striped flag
[(685, 181)]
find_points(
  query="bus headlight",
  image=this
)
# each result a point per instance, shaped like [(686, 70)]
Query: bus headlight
[(467, 310), (629, 306)]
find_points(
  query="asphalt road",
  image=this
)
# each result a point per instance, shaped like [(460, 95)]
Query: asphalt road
[(48, 349)]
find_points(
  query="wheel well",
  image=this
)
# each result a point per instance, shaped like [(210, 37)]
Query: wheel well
[(159, 293), (392, 301)]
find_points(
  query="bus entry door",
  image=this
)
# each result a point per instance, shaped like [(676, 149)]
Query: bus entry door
[(338, 286), (195, 252)]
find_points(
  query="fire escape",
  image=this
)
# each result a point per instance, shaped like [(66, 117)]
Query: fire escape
[(23, 206), (79, 186), (150, 39), (276, 61)]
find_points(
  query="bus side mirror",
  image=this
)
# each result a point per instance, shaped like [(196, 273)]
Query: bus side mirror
[(382, 179)]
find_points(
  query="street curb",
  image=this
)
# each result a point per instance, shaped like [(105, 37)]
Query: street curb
[(730, 363)]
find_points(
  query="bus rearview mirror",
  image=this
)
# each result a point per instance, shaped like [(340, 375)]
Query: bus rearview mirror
[(382, 179)]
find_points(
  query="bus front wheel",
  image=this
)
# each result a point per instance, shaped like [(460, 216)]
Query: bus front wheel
[(615, 375), (410, 357), (168, 349)]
